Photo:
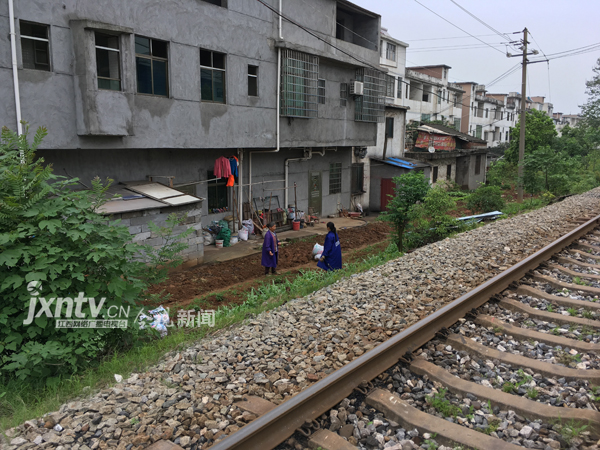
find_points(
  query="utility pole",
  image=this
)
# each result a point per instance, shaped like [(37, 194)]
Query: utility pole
[(522, 121), (523, 112)]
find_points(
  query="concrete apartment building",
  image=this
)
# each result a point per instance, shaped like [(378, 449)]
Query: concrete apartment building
[(430, 96), (487, 116), (135, 89), (541, 105), (562, 120)]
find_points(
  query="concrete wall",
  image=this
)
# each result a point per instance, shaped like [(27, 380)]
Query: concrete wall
[(137, 222), (380, 171)]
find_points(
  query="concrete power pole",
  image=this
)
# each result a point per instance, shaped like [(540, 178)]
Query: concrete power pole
[(522, 121)]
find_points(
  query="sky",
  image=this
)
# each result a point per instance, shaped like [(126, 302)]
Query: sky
[(555, 26)]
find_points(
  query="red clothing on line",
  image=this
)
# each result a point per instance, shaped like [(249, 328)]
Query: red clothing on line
[(222, 167)]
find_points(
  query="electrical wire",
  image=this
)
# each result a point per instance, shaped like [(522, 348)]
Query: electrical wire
[(456, 26), (452, 37), (503, 35)]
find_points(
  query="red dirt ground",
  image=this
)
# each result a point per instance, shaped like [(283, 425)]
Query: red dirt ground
[(186, 285)]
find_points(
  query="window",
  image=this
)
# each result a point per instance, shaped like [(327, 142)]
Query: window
[(35, 46), (425, 117), (477, 164), (381, 48), (299, 75), (321, 91), (389, 127), (426, 96), (486, 112), (217, 193), (478, 129), (108, 61), (449, 172), (151, 61), (339, 29), (370, 106), (389, 86), (457, 124), (440, 96), (407, 90), (222, 3), (343, 94), (485, 136), (212, 76), (253, 81), (399, 90), (507, 135), (435, 174), (357, 178), (390, 52), (335, 178)]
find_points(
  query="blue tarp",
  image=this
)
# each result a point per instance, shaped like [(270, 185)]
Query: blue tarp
[(479, 217), (400, 163)]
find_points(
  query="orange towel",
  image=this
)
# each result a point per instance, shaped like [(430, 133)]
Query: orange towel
[(230, 180)]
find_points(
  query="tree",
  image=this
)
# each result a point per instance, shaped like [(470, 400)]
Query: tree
[(539, 132), (591, 109), (52, 236), (410, 189)]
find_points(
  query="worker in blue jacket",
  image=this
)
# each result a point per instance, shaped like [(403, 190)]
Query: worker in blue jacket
[(331, 258)]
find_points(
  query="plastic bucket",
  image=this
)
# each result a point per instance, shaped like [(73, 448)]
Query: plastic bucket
[(243, 234), (219, 243), (296, 225), (233, 241)]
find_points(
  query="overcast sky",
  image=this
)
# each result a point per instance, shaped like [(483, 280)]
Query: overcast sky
[(555, 25)]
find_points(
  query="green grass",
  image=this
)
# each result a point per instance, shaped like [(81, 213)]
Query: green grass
[(550, 308), (572, 311), (442, 405), (569, 430), (579, 281), (528, 205), (587, 314), (514, 387), (21, 401)]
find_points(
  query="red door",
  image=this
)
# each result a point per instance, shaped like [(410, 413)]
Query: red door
[(387, 188)]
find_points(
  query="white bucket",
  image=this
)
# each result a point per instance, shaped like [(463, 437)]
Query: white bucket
[(243, 234), (219, 243), (233, 241)]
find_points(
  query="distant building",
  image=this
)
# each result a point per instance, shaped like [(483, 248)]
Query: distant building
[(562, 120)]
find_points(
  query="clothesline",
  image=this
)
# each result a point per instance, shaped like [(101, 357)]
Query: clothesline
[(217, 179)]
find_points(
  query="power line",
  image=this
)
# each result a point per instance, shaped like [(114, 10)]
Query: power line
[(466, 32), (453, 37)]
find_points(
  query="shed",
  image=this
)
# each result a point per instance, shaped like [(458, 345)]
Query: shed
[(382, 173)]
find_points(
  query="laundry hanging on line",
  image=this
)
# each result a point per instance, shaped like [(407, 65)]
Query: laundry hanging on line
[(222, 167), (233, 162)]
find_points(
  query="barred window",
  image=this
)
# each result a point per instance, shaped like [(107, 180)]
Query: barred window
[(389, 86), (457, 124), (321, 91), (335, 178), (478, 130), (299, 77), (399, 88), (369, 107), (425, 117), (343, 94)]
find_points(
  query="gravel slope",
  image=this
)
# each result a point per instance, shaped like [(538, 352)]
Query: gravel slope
[(189, 398)]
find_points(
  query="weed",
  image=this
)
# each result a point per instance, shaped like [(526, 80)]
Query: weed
[(570, 430), (556, 331), (550, 307), (430, 444), (532, 393), (578, 280), (587, 314), (134, 420), (514, 387), (572, 311), (493, 426), (498, 330), (594, 394), (443, 405), (566, 358)]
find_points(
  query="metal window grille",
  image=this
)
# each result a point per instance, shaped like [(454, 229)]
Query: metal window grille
[(399, 89), (370, 106), (321, 91), (335, 178), (357, 178), (299, 76), (457, 124), (425, 117), (343, 94), (389, 86), (478, 130)]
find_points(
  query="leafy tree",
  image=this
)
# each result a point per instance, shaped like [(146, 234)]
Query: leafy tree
[(539, 132), (502, 174), (429, 220), (548, 170), (51, 235), (591, 109), (486, 199), (410, 189)]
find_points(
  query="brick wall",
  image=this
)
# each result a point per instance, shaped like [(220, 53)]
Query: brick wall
[(137, 222)]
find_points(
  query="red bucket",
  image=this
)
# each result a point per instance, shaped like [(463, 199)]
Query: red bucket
[(296, 225)]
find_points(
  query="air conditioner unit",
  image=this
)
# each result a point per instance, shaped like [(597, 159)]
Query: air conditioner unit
[(356, 88)]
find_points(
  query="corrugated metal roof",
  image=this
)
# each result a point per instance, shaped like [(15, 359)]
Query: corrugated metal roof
[(403, 163)]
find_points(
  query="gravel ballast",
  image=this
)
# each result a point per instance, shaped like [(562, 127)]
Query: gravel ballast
[(189, 398)]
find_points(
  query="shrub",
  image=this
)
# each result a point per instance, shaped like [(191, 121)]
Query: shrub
[(486, 199), (53, 243)]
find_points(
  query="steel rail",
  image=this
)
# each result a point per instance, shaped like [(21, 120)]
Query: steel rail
[(271, 429)]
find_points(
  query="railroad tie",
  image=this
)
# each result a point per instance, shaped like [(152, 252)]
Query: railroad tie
[(546, 369), (447, 433), (557, 299), (525, 334), (562, 285), (516, 306), (565, 260), (572, 273), (584, 253), (528, 408)]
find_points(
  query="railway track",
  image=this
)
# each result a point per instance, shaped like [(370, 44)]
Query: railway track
[(511, 362)]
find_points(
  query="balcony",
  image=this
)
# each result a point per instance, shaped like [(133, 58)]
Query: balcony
[(357, 25)]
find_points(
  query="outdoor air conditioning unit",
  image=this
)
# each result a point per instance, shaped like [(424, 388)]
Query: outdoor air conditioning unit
[(356, 88)]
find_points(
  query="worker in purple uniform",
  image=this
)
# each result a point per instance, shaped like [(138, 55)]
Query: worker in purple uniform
[(270, 250), (331, 258)]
